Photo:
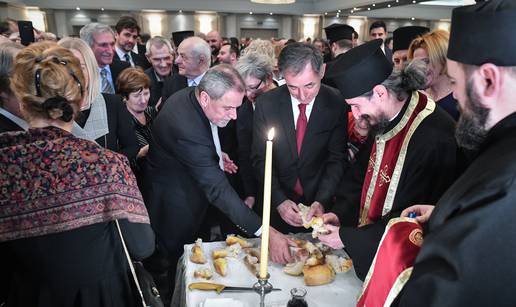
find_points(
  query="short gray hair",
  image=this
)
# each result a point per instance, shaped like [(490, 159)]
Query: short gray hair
[(295, 56), (199, 48), (403, 82), (158, 42), (220, 79), (88, 30), (255, 65)]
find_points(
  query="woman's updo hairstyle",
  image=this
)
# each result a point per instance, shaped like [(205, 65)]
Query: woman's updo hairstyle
[(48, 81)]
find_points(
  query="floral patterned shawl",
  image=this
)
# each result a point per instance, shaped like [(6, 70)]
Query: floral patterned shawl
[(51, 181)]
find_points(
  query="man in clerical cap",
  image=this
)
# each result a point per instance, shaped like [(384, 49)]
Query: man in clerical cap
[(402, 37), (340, 37), (179, 36), (410, 156), (467, 254)]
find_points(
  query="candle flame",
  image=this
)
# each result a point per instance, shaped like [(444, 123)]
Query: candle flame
[(270, 135)]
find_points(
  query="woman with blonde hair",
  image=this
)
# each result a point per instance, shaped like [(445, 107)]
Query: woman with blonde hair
[(103, 117), (432, 48), (60, 196)]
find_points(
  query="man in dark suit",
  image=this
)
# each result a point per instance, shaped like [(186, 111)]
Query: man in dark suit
[(161, 55), (101, 39), (127, 31), (193, 60), (185, 168), (310, 136), (378, 30)]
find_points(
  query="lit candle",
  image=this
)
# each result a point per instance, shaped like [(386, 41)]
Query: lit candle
[(267, 182)]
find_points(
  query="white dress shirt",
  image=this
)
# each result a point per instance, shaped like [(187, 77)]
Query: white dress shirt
[(195, 81), (295, 109), (121, 55), (216, 141)]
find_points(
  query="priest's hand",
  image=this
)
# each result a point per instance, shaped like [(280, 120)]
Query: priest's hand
[(249, 201), (333, 238), (229, 166), (316, 209), (423, 212), (331, 219), (279, 247), (289, 212)]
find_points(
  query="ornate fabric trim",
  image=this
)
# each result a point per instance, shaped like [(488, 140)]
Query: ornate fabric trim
[(398, 285), (402, 278), (395, 178), (375, 162)]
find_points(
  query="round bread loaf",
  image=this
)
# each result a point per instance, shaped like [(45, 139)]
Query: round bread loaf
[(318, 275)]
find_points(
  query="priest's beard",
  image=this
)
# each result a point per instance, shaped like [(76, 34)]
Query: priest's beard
[(382, 122), (470, 132)]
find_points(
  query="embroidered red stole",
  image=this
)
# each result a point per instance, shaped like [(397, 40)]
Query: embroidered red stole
[(387, 160), (392, 264)]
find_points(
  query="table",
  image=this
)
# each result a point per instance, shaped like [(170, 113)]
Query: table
[(342, 292)]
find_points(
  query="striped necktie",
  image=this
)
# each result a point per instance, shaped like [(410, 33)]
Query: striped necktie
[(106, 85)]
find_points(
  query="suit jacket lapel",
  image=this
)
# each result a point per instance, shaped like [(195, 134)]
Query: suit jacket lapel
[(315, 123), (287, 119)]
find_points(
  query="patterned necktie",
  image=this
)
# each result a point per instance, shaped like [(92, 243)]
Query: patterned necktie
[(300, 134), (106, 85)]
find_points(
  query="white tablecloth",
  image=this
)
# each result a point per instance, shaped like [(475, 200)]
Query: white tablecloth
[(342, 292)]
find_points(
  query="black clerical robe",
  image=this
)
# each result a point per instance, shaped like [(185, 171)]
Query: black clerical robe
[(427, 171), (467, 257)]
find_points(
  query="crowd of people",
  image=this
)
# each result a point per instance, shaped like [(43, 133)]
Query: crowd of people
[(166, 138)]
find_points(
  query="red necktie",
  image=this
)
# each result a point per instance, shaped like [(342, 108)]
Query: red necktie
[(300, 134)]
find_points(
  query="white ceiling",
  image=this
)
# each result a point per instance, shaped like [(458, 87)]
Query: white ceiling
[(301, 7)]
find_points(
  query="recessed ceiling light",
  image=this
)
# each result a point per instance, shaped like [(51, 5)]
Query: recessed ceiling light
[(78, 8), (413, 18), (250, 13)]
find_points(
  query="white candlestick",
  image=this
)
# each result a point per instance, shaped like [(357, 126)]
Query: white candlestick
[(267, 183)]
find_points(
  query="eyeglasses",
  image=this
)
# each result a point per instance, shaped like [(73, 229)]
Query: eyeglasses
[(255, 88)]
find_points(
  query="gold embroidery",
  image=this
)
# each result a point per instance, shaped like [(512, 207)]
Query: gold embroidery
[(396, 174), (384, 177), (416, 237)]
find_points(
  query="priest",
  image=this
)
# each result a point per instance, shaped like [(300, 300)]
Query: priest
[(401, 39), (412, 150), (467, 254)]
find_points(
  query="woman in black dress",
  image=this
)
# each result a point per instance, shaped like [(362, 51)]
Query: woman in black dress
[(60, 195), (134, 87)]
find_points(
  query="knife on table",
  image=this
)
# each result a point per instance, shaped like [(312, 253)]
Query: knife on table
[(220, 288)]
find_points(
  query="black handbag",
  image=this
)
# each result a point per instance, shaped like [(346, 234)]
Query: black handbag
[(143, 280)]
